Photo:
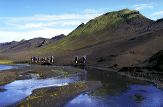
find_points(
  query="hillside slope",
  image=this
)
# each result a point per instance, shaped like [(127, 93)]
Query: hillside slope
[(110, 26), (156, 61), (122, 38)]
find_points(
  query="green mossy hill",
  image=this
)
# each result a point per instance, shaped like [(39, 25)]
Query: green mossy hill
[(106, 21), (91, 32), (156, 61)]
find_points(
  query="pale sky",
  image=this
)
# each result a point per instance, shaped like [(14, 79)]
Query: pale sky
[(26, 19)]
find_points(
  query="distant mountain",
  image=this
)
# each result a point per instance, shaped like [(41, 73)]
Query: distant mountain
[(23, 45), (123, 38), (56, 38)]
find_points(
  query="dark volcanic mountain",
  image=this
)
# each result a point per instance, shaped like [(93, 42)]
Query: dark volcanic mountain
[(25, 45), (122, 37)]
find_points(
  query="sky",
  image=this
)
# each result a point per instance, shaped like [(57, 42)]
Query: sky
[(26, 19)]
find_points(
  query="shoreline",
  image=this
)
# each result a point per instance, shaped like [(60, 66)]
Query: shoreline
[(37, 71), (157, 83), (36, 93), (17, 74)]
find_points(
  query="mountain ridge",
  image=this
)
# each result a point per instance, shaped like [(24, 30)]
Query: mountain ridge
[(120, 37), (73, 35), (28, 44)]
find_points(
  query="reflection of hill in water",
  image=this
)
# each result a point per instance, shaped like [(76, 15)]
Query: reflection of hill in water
[(118, 91)]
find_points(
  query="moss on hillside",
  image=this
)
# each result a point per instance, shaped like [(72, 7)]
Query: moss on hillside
[(6, 62), (106, 21), (87, 34)]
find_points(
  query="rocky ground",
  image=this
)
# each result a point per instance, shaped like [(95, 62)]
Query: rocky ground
[(140, 73)]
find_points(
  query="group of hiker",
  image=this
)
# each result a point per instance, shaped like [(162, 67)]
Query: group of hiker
[(81, 60), (77, 60), (42, 60)]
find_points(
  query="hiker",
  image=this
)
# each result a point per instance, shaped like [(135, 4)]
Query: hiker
[(32, 60), (42, 59), (38, 59), (35, 59), (48, 59), (76, 59), (84, 59), (52, 59), (45, 59)]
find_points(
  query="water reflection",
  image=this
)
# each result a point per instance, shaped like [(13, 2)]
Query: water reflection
[(5, 67), (18, 90), (118, 91)]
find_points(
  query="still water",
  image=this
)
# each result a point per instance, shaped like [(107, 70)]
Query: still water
[(118, 91), (5, 67), (20, 89)]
